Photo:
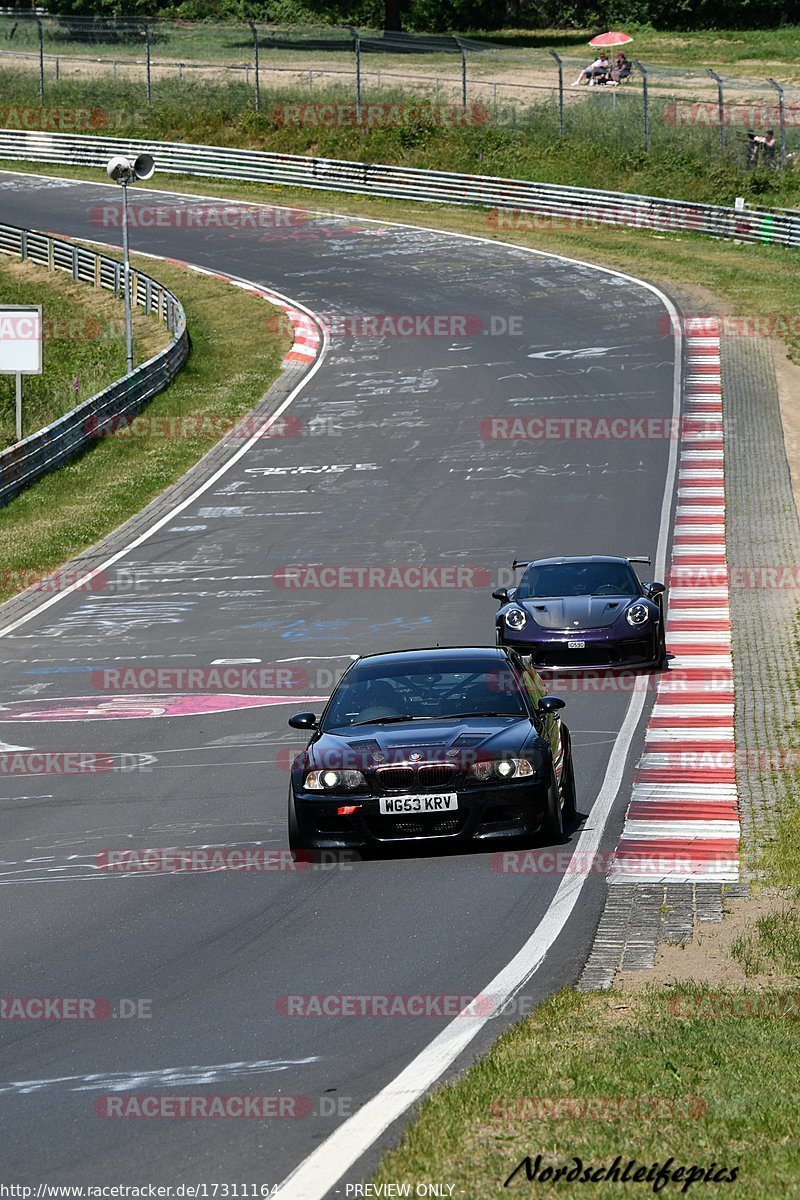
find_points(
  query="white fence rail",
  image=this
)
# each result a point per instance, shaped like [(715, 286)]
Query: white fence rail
[(48, 448)]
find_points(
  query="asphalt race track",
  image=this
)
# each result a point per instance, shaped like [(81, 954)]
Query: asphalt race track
[(396, 472)]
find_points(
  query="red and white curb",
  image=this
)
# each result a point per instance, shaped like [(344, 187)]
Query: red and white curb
[(683, 821), (307, 340)]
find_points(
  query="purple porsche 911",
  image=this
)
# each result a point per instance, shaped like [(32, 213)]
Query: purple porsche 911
[(583, 612)]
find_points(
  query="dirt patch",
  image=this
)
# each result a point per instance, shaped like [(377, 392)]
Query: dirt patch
[(707, 958)]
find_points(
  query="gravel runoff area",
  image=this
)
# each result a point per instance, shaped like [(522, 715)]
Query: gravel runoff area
[(763, 530)]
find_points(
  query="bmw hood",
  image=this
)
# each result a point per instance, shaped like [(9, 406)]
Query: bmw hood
[(434, 741), (577, 612)]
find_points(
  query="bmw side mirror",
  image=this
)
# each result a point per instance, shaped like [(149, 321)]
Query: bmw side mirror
[(501, 594), (655, 589), (551, 704), (303, 720)]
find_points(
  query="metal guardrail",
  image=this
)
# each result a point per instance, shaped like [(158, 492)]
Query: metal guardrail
[(511, 199), (48, 448)]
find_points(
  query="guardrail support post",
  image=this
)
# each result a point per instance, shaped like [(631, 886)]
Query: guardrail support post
[(41, 60), (560, 65), (255, 65), (720, 108), (646, 103), (782, 116), (147, 52)]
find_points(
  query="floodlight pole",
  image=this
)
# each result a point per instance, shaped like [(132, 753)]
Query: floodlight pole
[(126, 280)]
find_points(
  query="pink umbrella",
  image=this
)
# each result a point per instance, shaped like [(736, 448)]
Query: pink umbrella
[(610, 39)]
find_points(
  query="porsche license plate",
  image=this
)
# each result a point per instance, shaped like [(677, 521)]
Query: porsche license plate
[(392, 806), (576, 645)]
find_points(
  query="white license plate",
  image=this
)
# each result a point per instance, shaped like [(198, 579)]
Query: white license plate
[(576, 645), (393, 806)]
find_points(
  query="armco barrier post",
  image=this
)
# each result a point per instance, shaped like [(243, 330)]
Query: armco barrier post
[(560, 64), (782, 114), (720, 109)]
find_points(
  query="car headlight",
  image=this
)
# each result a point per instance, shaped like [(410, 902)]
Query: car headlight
[(332, 781), (503, 768), (516, 618), (637, 614)]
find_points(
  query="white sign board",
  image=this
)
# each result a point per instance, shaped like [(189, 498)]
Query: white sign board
[(20, 339)]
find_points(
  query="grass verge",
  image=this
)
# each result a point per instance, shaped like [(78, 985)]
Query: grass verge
[(646, 1077), (83, 348), (236, 354), (602, 146)]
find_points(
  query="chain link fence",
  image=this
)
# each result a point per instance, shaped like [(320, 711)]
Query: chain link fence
[(354, 76)]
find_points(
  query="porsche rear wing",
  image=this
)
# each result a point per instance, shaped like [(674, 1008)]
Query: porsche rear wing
[(518, 564)]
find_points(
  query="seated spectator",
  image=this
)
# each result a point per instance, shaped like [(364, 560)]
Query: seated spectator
[(596, 73), (621, 69)]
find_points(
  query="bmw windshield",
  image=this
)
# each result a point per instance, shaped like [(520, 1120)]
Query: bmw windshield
[(405, 691)]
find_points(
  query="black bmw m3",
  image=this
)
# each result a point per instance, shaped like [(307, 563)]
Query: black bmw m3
[(457, 745)]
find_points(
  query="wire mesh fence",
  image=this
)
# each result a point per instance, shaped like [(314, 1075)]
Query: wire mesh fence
[(323, 75)]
